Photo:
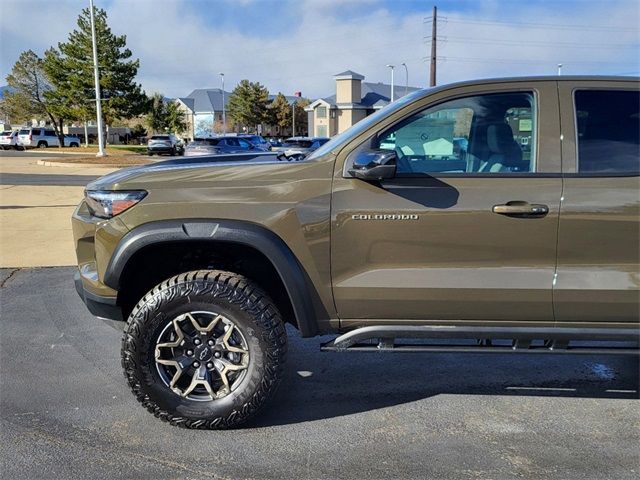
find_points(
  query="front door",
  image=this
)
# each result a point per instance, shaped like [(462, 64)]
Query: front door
[(467, 229)]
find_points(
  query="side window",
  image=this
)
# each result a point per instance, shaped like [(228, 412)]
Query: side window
[(49, 133), (608, 124), (36, 131), (232, 142), (244, 143), (493, 133)]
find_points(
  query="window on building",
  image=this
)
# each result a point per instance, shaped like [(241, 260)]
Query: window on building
[(608, 124), (321, 131), (491, 133), (321, 112)]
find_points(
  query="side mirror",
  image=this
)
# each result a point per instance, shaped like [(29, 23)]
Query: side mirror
[(374, 165)]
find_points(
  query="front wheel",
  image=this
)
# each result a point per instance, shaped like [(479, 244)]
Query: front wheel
[(204, 349)]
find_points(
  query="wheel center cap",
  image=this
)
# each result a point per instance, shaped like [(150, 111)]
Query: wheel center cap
[(202, 353)]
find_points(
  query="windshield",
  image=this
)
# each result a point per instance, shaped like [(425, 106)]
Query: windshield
[(345, 137)]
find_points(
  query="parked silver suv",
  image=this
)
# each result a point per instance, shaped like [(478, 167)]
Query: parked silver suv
[(167, 144)]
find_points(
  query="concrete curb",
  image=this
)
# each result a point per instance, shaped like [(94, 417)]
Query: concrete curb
[(46, 163)]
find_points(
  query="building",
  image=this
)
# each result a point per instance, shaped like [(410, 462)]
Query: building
[(203, 113), (353, 100)]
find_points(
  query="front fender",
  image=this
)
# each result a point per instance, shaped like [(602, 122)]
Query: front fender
[(302, 294)]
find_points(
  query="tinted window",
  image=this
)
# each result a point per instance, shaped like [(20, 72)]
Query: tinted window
[(608, 130), (491, 133), (35, 131), (244, 143), (160, 137), (24, 132), (50, 133)]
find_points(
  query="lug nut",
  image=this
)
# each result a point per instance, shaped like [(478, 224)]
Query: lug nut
[(217, 354), (196, 364), (211, 343), (189, 352), (197, 341), (209, 365)]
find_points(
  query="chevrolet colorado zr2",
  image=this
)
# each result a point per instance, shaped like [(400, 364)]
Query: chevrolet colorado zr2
[(489, 216)]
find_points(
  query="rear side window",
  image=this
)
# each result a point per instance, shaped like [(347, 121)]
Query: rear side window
[(50, 133), (24, 132), (608, 123)]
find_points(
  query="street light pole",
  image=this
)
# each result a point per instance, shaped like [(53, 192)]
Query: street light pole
[(391, 67), (224, 112), (406, 84), (96, 75), (559, 69), (293, 119)]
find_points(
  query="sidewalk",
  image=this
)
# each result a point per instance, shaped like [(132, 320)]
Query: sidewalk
[(35, 221)]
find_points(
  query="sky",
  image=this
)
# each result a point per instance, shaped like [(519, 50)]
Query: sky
[(298, 45)]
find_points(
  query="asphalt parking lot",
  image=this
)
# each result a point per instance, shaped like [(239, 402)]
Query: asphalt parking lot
[(67, 413)]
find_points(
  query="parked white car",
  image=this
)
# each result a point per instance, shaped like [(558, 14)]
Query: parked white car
[(9, 139), (38, 137)]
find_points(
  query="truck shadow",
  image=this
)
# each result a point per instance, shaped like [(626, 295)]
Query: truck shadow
[(326, 385)]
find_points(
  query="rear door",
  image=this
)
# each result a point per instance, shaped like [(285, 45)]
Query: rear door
[(598, 276), (437, 243)]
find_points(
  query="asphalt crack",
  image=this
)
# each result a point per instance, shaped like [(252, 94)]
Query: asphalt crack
[(9, 277)]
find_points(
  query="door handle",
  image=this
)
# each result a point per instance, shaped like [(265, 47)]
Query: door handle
[(519, 208)]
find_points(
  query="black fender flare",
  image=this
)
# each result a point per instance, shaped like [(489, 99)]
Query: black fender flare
[(299, 287)]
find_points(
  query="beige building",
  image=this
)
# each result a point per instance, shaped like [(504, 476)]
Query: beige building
[(353, 100)]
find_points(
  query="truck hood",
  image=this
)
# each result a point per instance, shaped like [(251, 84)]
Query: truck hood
[(118, 179)]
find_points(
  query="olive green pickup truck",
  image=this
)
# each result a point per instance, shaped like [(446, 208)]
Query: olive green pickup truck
[(489, 216)]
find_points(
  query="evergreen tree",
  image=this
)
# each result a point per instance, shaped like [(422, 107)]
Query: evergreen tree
[(70, 69), (280, 112), (302, 120), (248, 104), (165, 116), (30, 86)]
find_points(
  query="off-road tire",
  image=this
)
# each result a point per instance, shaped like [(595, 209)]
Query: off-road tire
[(252, 312)]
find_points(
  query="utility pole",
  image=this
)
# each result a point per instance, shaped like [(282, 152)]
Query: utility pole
[(293, 119), (224, 111), (96, 75), (392, 85), (432, 70)]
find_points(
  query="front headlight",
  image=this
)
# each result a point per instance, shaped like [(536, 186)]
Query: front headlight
[(108, 204)]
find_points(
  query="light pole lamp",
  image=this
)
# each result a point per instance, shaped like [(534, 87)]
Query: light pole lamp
[(406, 83), (391, 67), (224, 112)]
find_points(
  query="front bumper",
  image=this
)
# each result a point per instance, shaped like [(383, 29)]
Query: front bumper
[(102, 307)]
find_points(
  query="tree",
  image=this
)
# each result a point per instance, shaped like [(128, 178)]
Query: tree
[(70, 69), (280, 112), (176, 118), (156, 117), (302, 120), (165, 116), (248, 104), (30, 85)]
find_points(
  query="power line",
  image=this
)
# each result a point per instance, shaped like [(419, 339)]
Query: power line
[(558, 26), (454, 39), (519, 60)]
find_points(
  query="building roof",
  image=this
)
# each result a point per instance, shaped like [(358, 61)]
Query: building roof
[(348, 75), (376, 94), (205, 99)]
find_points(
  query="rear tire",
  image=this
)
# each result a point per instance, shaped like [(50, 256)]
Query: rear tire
[(222, 304), (42, 145)]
